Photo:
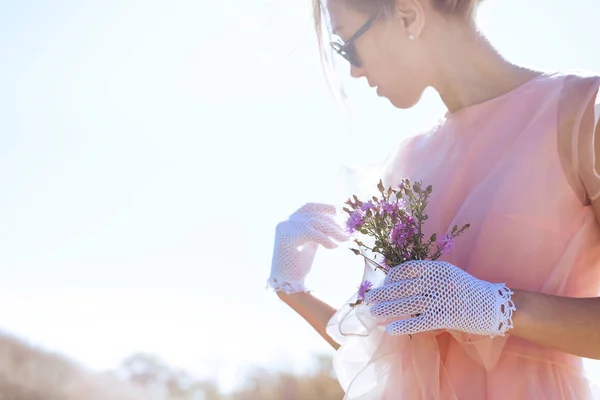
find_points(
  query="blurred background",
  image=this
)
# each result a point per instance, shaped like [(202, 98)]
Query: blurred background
[(147, 151)]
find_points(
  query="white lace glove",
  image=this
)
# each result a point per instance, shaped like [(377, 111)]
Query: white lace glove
[(440, 295), (296, 242)]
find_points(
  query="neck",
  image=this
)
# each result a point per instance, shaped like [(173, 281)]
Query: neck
[(470, 71)]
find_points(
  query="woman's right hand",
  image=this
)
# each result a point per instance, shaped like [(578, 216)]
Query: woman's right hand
[(296, 243)]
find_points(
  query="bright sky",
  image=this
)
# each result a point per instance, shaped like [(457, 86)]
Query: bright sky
[(149, 148)]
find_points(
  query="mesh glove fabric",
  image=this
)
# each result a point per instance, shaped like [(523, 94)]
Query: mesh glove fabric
[(439, 295), (296, 243)]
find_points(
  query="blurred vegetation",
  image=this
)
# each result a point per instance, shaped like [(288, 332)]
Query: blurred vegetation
[(30, 373), (152, 373)]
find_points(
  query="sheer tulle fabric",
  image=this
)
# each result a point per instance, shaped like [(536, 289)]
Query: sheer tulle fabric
[(498, 165)]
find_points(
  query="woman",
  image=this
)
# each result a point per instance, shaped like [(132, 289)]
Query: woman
[(512, 311)]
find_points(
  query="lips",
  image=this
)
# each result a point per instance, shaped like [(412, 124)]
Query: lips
[(374, 86)]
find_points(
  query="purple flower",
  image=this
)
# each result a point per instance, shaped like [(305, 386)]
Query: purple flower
[(446, 244), (399, 235), (403, 231), (364, 287), (367, 206), (354, 222), (384, 263), (388, 207)]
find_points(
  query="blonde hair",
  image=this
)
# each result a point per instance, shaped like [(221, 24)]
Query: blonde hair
[(464, 9)]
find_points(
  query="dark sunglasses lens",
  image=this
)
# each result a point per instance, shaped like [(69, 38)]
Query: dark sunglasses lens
[(352, 56)]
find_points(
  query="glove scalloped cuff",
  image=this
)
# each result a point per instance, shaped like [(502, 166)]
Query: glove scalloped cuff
[(286, 287), (505, 307)]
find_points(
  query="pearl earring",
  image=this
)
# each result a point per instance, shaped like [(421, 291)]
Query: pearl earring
[(411, 37)]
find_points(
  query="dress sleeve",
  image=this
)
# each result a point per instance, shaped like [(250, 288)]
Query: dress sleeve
[(589, 149), (578, 115)]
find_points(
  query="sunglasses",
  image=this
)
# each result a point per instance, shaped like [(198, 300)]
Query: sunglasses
[(347, 49)]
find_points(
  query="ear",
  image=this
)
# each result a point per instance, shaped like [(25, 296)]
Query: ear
[(411, 15)]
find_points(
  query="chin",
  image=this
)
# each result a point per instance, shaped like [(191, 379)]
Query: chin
[(403, 102)]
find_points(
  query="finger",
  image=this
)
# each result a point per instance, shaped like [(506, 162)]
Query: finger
[(395, 291), (407, 270), (411, 326), (318, 237), (317, 208), (409, 306), (299, 232), (328, 226)]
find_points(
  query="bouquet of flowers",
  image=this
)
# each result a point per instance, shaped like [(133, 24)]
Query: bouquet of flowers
[(394, 224)]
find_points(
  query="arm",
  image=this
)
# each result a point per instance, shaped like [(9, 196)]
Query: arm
[(567, 324), (571, 325), (314, 311), (296, 243)]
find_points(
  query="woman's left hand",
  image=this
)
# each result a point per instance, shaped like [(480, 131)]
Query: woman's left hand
[(439, 295)]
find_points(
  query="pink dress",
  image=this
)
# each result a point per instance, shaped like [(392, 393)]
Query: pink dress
[(520, 169)]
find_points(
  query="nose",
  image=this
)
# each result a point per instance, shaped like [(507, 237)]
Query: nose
[(356, 72)]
